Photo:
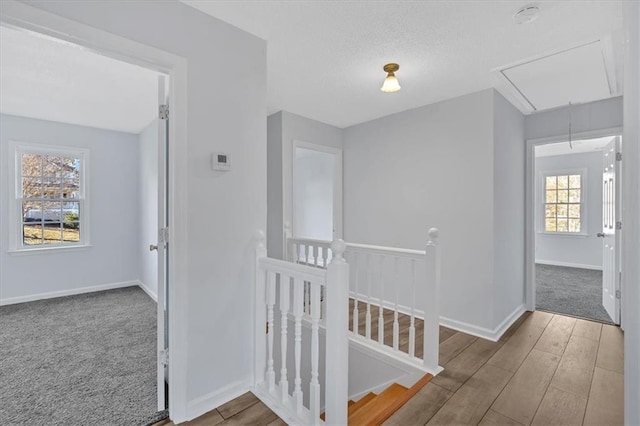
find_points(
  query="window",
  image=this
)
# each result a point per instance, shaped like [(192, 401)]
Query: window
[(563, 202), (50, 197)]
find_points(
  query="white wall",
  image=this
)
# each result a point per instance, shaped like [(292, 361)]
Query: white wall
[(572, 250), (429, 166), (113, 187), (631, 217), (226, 112), (148, 206), (283, 128), (592, 116), (508, 207)]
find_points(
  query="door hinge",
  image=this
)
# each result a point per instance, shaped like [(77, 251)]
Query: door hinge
[(163, 112), (267, 324), (618, 225), (618, 156), (618, 294), (163, 357), (163, 235)]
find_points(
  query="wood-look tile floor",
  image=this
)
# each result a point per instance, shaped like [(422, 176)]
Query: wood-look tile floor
[(545, 370)]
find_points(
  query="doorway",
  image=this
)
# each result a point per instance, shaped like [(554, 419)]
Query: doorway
[(573, 207)]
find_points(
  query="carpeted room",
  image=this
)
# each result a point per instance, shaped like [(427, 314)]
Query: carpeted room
[(77, 280)]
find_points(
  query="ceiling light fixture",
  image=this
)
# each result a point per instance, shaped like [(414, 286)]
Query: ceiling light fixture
[(391, 82), (527, 14)]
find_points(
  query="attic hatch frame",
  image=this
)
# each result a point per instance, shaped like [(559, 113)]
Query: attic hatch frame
[(18, 15), (511, 91)]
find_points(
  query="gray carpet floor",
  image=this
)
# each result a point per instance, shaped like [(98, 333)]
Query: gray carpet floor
[(572, 291), (88, 359)]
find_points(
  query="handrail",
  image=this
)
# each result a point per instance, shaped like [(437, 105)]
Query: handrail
[(304, 272), (394, 251)]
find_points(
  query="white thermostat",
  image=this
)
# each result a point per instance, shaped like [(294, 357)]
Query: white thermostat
[(220, 161)]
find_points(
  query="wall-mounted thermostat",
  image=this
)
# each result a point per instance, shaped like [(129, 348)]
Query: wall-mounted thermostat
[(220, 162)]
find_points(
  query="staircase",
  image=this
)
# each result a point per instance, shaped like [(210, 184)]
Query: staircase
[(373, 410)]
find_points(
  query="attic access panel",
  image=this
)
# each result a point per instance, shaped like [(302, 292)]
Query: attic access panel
[(575, 75)]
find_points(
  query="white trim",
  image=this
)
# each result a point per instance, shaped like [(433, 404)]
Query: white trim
[(48, 250), (70, 292), (530, 205), (205, 403), (18, 14), (569, 265), (275, 405), (149, 292)]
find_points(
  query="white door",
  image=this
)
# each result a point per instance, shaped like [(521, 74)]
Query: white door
[(610, 238), (162, 246)]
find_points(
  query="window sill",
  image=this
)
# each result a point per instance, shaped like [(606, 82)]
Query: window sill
[(49, 250), (564, 234)]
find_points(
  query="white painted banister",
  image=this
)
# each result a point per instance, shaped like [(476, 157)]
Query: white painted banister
[(431, 310)]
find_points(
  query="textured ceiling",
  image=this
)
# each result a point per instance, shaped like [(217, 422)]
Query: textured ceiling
[(53, 80), (325, 58)]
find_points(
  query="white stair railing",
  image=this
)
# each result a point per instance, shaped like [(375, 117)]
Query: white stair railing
[(288, 280), (403, 281)]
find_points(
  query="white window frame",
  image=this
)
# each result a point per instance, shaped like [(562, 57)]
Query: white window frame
[(16, 149), (540, 210)]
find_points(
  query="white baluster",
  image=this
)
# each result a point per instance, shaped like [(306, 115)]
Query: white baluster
[(367, 325), (315, 256), (356, 310), (381, 309), (412, 325), (314, 385), (298, 307), (307, 298), (431, 313), (396, 324), (325, 256), (271, 300), (260, 361), (284, 310), (306, 254)]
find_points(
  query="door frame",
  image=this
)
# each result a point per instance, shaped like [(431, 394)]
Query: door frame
[(530, 203), (22, 16), (337, 187)]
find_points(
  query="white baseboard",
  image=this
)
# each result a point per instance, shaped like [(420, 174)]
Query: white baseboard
[(569, 265), (71, 292), (212, 400), (149, 292), (483, 332)]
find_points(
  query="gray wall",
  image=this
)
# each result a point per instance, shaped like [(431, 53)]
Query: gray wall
[(572, 250), (113, 191), (275, 240)]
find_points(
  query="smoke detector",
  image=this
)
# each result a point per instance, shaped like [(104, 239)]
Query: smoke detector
[(527, 14)]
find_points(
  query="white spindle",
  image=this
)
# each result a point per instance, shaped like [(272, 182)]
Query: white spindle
[(396, 324), (306, 254), (316, 257), (298, 302), (412, 325), (325, 256), (307, 298), (356, 310), (337, 341), (431, 338), (381, 300), (367, 325), (260, 311), (284, 311), (271, 300), (314, 385)]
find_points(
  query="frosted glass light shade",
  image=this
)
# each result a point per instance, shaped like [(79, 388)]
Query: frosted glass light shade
[(390, 84)]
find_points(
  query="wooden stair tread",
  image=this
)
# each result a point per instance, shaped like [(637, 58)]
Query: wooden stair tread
[(361, 403), (370, 411)]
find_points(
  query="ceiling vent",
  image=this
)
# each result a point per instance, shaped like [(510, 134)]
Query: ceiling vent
[(576, 75)]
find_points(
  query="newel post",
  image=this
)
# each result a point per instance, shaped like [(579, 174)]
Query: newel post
[(337, 342), (432, 303), (260, 311)]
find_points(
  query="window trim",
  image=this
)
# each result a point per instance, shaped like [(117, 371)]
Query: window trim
[(541, 200), (16, 149)]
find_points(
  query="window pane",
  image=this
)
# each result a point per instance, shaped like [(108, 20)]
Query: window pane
[(31, 188), (550, 225), (550, 182), (32, 234), (551, 197), (51, 187), (563, 210), (563, 196), (71, 212), (71, 232), (574, 210), (574, 195), (52, 211), (70, 187), (52, 233), (31, 165), (574, 181), (574, 225), (550, 210), (31, 211), (563, 225), (563, 182)]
